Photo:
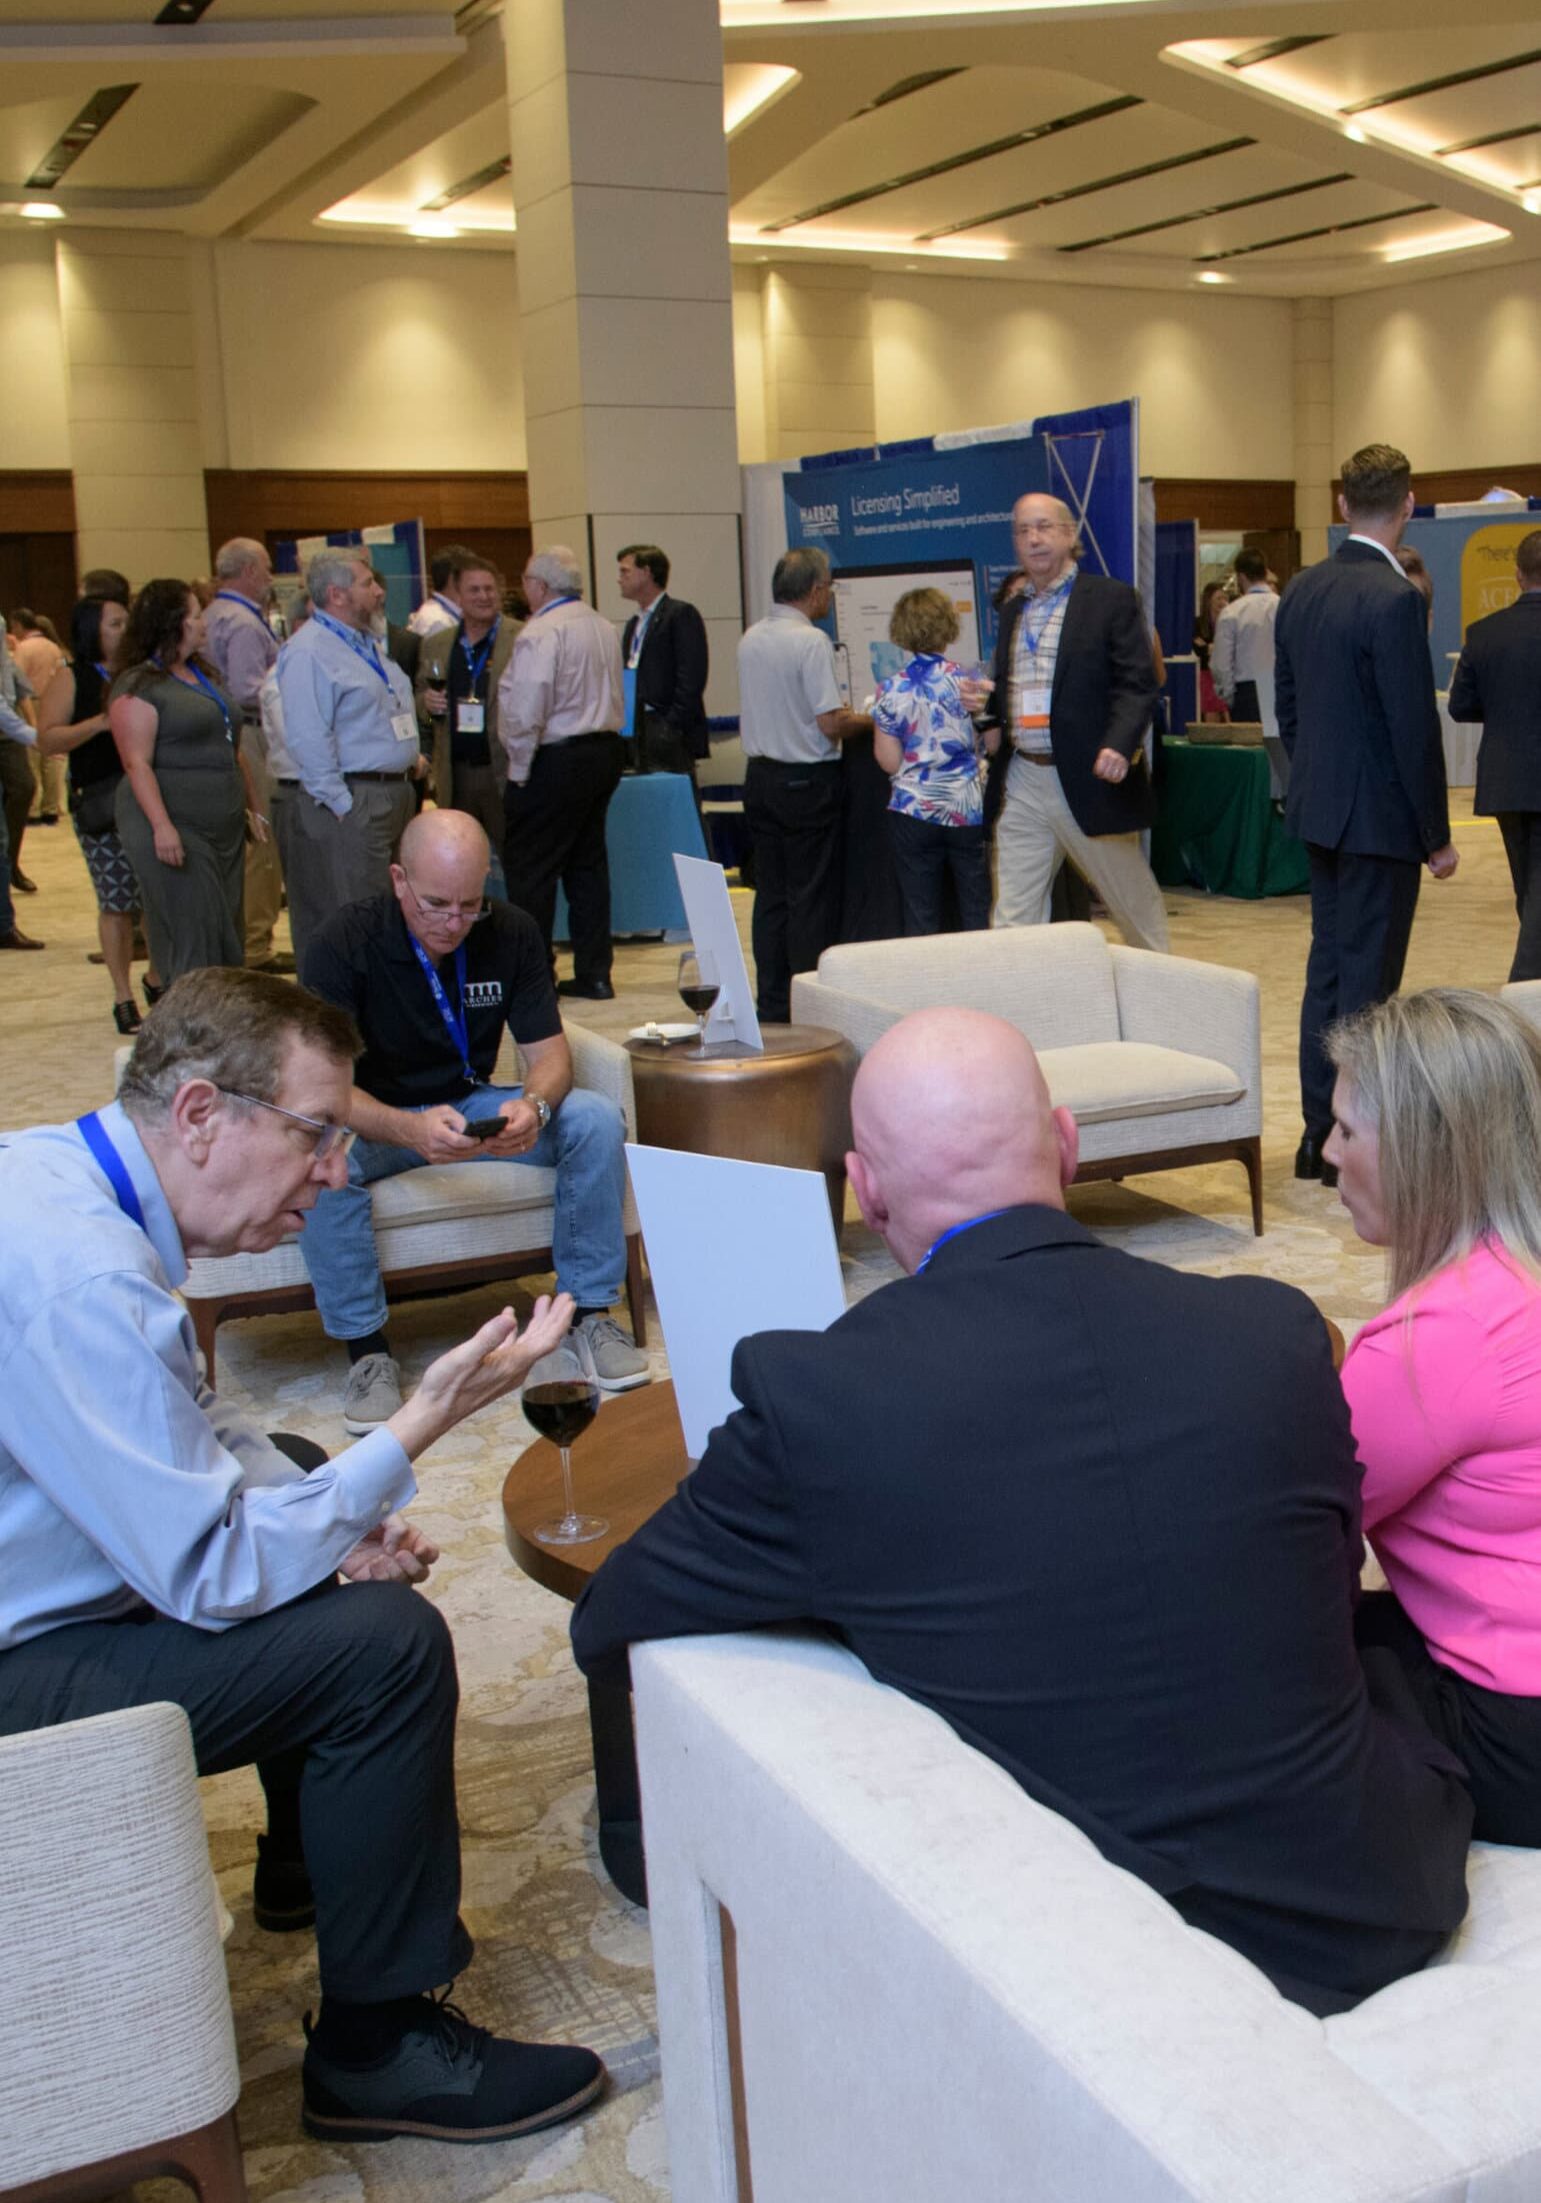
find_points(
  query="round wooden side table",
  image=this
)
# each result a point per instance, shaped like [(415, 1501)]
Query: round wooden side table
[(790, 1104)]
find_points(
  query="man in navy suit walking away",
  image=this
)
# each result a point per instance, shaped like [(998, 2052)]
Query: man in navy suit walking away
[(1354, 689)]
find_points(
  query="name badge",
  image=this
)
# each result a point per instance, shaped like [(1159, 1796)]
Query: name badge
[(404, 727), (471, 715), (1033, 707)]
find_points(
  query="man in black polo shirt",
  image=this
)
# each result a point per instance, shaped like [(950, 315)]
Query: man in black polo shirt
[(431, 973)]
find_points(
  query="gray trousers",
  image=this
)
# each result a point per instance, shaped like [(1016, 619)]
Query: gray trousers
[(1035, 825), (329, 861)]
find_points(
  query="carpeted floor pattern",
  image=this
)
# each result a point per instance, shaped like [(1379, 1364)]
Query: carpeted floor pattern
[(561, 1954)]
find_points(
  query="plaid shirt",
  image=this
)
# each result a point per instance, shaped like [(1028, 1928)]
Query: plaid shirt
[(1042, 618)]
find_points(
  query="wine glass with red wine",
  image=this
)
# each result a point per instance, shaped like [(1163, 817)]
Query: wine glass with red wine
[(698, 985), (560, 1399)]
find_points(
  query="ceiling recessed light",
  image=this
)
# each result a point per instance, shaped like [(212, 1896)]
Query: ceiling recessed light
[(1352, 131), (1212, 275), (431, 225), (42, 210), (1532, 202)]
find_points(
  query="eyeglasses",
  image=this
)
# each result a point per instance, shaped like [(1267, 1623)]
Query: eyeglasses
[(431, 907), (330, 1139)]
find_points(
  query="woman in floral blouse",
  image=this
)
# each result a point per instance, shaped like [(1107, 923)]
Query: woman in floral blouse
[(924, 737)]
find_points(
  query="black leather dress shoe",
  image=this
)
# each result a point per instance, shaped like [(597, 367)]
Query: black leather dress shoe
[(16, 939), (590, 990), (1311, 1163)]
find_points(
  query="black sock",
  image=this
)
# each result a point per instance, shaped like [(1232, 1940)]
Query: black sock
[(357, 2034), (579, 1314), (376, 1343)]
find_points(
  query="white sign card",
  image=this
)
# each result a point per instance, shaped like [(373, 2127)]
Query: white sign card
[(714, 933), (709, 1296)]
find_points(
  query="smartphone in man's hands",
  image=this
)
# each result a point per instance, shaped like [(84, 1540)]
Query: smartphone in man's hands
[(485, 1128)]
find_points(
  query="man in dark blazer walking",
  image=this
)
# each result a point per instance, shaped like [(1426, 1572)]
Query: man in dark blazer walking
[(664, 652), (1075, 684), (1117, 1553), (1498, 681), (1354, 692)]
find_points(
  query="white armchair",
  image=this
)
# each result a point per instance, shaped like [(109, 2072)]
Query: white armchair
[(1159, 1058), (444, 1226), (117, 2056)]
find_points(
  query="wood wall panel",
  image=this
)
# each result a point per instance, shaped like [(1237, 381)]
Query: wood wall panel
[(271, 504), (1241, 506), (37, 503)]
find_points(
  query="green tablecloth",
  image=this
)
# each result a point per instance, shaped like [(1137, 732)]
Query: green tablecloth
[(1220, 828)]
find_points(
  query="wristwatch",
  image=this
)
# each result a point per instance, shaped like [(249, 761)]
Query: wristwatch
[(541, 1107)]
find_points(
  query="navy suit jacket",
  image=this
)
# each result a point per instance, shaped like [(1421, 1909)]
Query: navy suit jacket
[(1104, 692), (1117, 1554), (1498, 680), (672, 670), (1354, 691)]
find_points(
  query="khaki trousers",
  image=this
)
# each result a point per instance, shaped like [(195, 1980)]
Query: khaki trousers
[(1035, 825), (264, 870)]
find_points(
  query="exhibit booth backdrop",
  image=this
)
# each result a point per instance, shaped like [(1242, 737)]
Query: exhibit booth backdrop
[(1470, 558)]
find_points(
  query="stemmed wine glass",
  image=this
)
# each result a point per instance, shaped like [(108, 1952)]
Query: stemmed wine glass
[(560, 1399), (699, 989)]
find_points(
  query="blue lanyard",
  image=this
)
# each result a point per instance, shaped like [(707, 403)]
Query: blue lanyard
[(210, 691), (358, 644), (1029, 639), (477, 659), (454, 1020), (90, 1129), (551, 604), (231, 596), (952, 1232)]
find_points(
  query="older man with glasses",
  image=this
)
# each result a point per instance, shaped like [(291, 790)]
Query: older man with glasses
[(433, 973), (160, 1547)]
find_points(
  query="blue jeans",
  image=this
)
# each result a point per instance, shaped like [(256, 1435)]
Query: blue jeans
[(582, 1144)]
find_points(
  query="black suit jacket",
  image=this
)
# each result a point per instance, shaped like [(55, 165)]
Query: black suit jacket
[(1117, 1553), (1498, 680), (672, 670), (1354, 692), (1104, 691)]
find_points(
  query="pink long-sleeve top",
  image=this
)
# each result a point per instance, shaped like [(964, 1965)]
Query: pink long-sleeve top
[(1444, 1389)]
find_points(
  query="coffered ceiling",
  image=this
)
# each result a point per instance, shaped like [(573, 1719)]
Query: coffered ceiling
[(1318, 147)]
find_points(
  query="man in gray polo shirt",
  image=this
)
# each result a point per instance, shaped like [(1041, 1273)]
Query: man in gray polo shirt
[(792, 723), (350, 731)]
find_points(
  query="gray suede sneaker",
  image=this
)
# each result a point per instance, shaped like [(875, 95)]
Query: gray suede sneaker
[(373, 1394), (447, 2081), (617, 1363)]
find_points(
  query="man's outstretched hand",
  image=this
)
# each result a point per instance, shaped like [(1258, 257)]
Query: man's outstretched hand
[(488, 1366)]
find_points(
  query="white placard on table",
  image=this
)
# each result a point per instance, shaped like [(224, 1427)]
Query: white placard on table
[(699, 1215), (714, 933)]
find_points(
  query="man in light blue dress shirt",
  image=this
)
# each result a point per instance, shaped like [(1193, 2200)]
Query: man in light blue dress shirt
[(350, 729), (159, 1547)]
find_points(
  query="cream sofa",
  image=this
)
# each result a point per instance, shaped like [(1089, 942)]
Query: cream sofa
[(886, 1976), (447, 1225), (1158, 1057)]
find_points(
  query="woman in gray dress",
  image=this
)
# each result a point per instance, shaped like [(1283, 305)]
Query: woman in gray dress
[(183, 802)]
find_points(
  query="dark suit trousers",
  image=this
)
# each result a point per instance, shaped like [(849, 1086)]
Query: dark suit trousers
[(354, 1691), (794, 817), (1361, 921), (1245, 708), (555, 831), (1522, 846)]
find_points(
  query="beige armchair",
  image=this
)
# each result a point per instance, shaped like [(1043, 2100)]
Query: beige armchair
[(117, 2056), (447, 1225), (1159, 1058)]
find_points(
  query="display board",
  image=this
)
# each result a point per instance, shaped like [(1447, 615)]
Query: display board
[(864, 602), (1470, 558), (395, 549)]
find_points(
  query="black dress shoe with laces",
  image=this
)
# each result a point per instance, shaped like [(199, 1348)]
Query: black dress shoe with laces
[(1310, 1162), (446, 2081)]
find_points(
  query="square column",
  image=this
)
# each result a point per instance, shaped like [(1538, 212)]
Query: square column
[(626, 294), (1315, 465)]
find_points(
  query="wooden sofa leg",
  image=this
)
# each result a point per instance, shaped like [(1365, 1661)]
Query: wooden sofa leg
[(211, 2157), (636, 1293), (1252, 1158), (205, 1315)]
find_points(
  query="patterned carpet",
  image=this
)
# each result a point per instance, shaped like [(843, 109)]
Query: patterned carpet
[(561, 1954)]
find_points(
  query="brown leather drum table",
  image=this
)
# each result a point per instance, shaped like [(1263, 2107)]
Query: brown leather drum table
[(624, 1467), (790, 1104)]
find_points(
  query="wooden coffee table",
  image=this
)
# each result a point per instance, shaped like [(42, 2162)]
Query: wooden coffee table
[(625, 1466)]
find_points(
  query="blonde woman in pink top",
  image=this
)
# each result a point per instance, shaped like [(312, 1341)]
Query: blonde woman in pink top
[(1438, 1149)]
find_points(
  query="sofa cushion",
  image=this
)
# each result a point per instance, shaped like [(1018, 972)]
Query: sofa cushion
[(1053, 982), (1105, 1081)]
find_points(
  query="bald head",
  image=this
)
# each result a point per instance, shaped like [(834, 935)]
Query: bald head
[(439, 878), (951, 1118), (1044, 531)]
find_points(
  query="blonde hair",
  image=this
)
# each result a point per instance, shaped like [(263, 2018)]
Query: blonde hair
[(924, 621), (1452, 1080)]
